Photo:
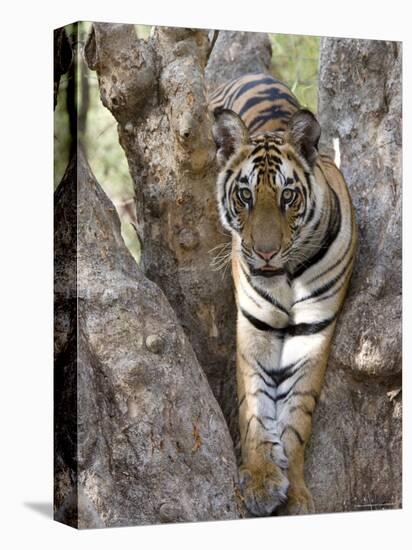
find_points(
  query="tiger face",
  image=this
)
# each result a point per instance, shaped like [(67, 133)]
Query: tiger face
[(265, 193)]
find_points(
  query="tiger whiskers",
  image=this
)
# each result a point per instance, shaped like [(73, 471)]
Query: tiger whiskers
[(221, 263), (301, 251), (220, 246), (300, 257), (221, 259)]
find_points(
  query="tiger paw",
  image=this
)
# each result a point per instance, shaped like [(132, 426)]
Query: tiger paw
[(299, 502), (264, 487)]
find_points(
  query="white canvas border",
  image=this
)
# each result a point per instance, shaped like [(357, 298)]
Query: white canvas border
[(27, 269)]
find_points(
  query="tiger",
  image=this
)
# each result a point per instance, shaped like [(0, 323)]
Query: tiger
[(290, 215)]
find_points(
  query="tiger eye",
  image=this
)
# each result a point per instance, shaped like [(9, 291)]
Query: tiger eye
[(245, 194), (288, 195)]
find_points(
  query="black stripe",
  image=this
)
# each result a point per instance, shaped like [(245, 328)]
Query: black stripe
[(258, 159), (231, 188), (266, 442), (285, 394), (268, 373), (302, 408), (262, 378), (292, 429), (331, 294), (248, 425), (331, 233), (305, 201), (229, 217), (251, 84), (228, 89), (267, 394), (250, 297), (260, 325), (311, 212), (257, 149), (274, 161), (280, 375), (221, 92), (305, 329), (325, 287), (272, 147), (308, 182), (249, 103), (274, 113), (301, 329), (340, 260), (228, 174), (277, 92), (263, 293)]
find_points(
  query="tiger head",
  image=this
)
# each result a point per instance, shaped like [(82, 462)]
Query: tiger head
[(265, 188)]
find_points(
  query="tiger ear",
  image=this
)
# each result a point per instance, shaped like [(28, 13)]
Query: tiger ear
[(303, 132), (229, 132)]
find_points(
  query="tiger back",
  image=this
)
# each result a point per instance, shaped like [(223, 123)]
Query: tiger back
[(293, 248), (264, 103)]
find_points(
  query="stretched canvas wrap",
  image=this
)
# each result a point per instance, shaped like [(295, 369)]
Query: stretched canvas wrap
[(227, 275)]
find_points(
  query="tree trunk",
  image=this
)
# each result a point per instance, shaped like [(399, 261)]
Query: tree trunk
[(156, 91), (354, 462), (237, 53), (148, 443)]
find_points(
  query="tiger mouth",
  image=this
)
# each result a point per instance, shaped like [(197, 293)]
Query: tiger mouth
[(267, 271)]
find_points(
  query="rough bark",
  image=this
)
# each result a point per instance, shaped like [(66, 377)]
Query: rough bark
[(355, 457), (149, 443), (237, 53), (156, 91), (62, 58)]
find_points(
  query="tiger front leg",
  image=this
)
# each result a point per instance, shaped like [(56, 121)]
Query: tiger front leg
[(263, 479), (297, 396), (299, 500)]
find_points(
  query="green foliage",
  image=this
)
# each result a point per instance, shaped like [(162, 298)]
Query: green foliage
[(295, 61), (99, 140), (61, 134), (143, 31), (104, 153), (107, 158)]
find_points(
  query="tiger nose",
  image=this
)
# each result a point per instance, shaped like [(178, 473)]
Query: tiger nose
[(266, 255)]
